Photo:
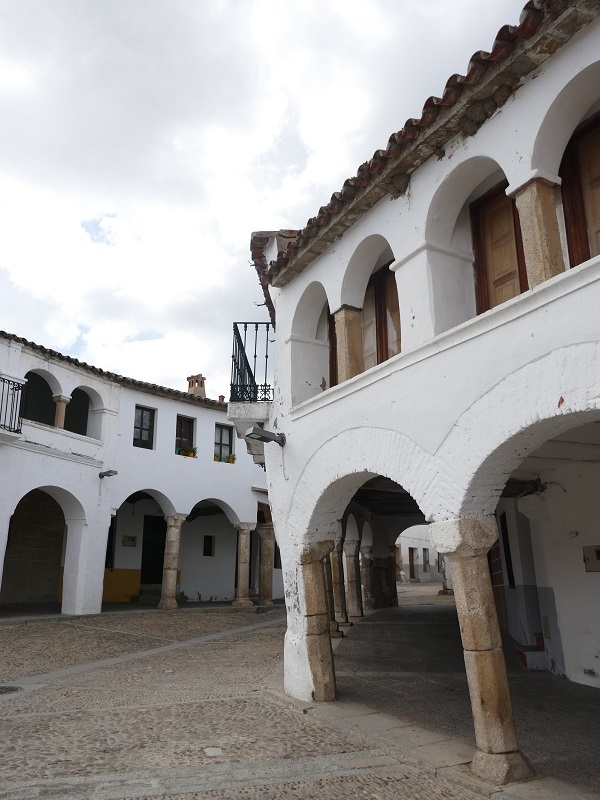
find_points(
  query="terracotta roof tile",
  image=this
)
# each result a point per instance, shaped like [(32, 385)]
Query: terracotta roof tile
[(493, 75), (131, 383)]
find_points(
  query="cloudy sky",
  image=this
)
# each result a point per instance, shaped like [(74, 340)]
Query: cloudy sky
[(141, 141)]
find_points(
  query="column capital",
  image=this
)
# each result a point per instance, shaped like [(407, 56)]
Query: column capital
[(265, 530), (315, 552), (536, 176), (244, 527), (367, 549), (61, 398), (175, 520), (464, 537), (351, 547)]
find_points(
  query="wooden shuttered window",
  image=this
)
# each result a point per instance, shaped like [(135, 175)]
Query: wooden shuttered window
[(580, 173), (499, 263), (380, 321)]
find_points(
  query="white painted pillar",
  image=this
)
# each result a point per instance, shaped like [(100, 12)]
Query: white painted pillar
[(6, 512), (308, 659), (265, 584), (76, 595)]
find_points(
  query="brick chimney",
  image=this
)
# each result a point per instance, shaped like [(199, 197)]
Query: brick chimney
[(196, 385)]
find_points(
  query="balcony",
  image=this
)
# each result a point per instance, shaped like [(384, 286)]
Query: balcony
[(10, 409), (251, 380), (250, 363)]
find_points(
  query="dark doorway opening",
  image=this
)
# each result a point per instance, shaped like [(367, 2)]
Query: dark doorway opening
[(153, 549)]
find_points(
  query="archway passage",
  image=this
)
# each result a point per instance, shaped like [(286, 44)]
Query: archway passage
[(34, 552), (546, 563), (382, 510)]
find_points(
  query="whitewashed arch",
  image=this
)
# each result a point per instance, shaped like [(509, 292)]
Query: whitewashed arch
[(229, 512), (163, 501), (562, 117), (309, 344), (70, 505), (51, 380), (340, 467), (449, 199), (537, 402), (373, 252)]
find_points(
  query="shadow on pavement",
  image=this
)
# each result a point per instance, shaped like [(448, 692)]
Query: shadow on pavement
[(408, 661)]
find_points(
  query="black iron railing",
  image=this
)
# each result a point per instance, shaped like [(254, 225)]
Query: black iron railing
[(250, 367), (10, 405)]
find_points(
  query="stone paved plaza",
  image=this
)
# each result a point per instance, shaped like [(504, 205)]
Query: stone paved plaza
[(188, 704)]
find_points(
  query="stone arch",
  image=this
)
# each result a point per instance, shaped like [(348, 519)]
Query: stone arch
[(566, 111), (309, 344), (555, 393), (372, 253), (339, 468)]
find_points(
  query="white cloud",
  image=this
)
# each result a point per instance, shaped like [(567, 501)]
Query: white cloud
[(142, 142)]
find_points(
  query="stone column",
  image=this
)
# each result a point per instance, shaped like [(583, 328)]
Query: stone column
[(265, 589), (367, 576), (466, 543), (318, 640), (334, 628), (242, 593), (354, 596), (337, 578), (536, 203), (61, 401), (393, 577), (168, 593), (446, 588), (348, 336)]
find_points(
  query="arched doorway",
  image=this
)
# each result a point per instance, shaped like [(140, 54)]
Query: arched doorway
[(35, 551)]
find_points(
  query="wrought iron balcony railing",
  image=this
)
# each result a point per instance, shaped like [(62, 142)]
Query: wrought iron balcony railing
[(250, 368), (10, 405)]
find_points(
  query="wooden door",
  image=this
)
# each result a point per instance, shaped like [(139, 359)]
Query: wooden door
[(499, 263), (589, 161)]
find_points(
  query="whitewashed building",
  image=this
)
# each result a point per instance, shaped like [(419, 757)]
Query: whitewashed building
[(437, 360), (117, 490)]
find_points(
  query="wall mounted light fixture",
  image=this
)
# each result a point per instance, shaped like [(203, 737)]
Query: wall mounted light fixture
[(261, 435)]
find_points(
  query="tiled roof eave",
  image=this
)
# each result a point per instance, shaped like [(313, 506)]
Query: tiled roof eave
[(388, 173), (130, 383)]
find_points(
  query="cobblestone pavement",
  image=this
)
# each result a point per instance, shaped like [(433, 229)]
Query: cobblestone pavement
[(188, 704)]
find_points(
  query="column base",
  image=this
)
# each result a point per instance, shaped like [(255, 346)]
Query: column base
[(501, 768), (245, 603), (168, 604), (446, 591)]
